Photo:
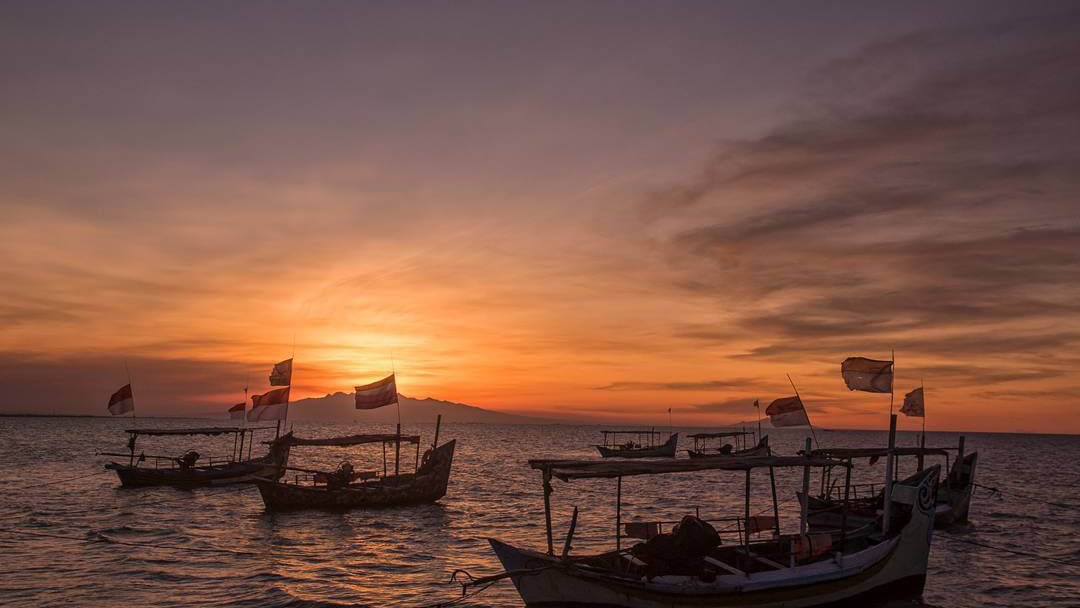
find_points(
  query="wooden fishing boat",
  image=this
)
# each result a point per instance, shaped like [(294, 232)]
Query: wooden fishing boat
[(347, 488), (701, 448), (954, 494), (693, 567), (648, 444), (185, 470)]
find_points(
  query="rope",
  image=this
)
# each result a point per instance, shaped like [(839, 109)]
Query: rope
[(1024, 496), (1006, 550), (49, 483), (109, 539)]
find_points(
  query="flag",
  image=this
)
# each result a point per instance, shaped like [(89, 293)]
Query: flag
[(870, 375), (913, 404), (788, 411), (122, 401), (272, 405), (756, 404), (377, 394), (236, 412), (281, 375)]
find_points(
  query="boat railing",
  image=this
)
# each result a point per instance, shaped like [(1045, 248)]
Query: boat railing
[(858, 491), (170, 462), (736, 526)]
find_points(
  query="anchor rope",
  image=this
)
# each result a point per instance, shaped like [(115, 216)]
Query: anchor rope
[(109, 539), (994, 491), (49, 483), (976, 543)]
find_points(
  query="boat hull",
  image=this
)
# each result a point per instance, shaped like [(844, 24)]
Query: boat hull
[(667, 450), (427, 485), (893, 568), (269, 466)]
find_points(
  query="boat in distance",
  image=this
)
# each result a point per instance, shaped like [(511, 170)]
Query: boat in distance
[(184, 471), (841, 566), (647, 445), (701, 449)]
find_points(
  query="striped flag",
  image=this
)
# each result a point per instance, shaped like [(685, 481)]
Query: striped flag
[(788, 411), (236, 412), (122, 401), (870, 375), (377, 394), (914, 405), (272, 405)]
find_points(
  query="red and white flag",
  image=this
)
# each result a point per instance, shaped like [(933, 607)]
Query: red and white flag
[(377, 394), (788, 411), (281, 375), (272, 405), (914, 404), (122, 401), (236, 412), (870, 375)]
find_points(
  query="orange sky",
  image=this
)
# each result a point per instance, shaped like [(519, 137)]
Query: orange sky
[(599, 221)]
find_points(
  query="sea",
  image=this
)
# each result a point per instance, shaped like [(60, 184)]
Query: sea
[(71, 536)]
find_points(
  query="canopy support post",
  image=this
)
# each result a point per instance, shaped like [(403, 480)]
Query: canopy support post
[(889, 464), (547, 511), (438, 423), (746, 513), (775, 504), (806, 491), (618, 513), (843, 513), (397, 451), (384, 459)]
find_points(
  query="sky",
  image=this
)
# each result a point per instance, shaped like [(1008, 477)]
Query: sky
[(595, 211)]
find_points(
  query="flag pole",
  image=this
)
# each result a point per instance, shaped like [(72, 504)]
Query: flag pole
[(128, 372), (807, 414), (892, 383)]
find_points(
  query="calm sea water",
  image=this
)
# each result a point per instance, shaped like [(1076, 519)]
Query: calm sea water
[(89, 543)]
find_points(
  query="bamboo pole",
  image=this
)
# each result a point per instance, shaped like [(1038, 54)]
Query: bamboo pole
[(775, 504), (746, 515), (547, 511), (570, 535), (806, 492), (397, 451), (618, 513), (887, 510)]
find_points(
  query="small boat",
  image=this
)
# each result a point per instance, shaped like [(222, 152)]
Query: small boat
[(702, 450), (954, 494), (346, 488), (692, 566), (186, 471), (647, 445)]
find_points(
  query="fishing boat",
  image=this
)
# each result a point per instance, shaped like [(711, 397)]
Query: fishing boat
[(192, 469), (954, 494), (648, 444), (347, 488), (701, 447), (693, 565)]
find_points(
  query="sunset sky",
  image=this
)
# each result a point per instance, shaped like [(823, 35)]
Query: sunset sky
[(591, 210)]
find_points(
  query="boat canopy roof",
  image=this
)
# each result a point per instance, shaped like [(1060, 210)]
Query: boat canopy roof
[(875, 452), (637, 432), (208, 430), (599, 469), (349, 440), (719, 434)]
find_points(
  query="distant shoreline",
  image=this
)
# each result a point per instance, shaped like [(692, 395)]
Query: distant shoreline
[(553, 423)]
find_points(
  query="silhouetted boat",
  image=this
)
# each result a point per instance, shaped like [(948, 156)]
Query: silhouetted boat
[(347, 488), (954, 494), (701, 449), (691, 568), (646, 446), (184, 471)]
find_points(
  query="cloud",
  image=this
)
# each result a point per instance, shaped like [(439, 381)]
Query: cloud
[(700, 385), (925, 202)]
